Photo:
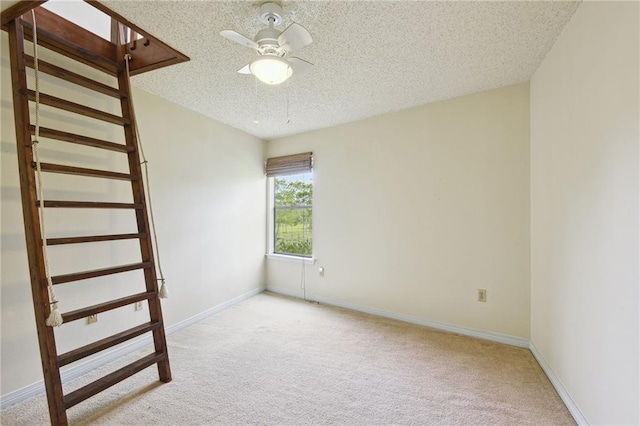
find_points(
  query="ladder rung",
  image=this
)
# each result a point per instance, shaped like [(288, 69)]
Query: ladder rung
[(90, 205), (77, 108), (81, 171), (72, 77), (92, 239), (109, 380), (60, 279), (107, 306), (80, 140), (100, 345)]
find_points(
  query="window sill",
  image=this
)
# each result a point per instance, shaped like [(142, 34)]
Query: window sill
[(288, 258)]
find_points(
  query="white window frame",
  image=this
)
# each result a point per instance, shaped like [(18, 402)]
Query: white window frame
[(271, 231)]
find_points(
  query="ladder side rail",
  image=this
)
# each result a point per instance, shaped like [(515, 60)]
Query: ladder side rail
[(46, 338), (137, 186)]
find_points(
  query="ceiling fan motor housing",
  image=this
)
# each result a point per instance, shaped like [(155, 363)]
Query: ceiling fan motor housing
[(267, 36)]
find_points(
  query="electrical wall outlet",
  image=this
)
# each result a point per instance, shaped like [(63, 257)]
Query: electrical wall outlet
[(321, 271), (138, 306), (92, 318), (482, 295)]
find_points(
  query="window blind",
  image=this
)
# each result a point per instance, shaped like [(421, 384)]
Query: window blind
[(290, 164)]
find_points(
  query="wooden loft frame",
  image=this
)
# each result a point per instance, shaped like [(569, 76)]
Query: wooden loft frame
[(71, 40), (67, 38)]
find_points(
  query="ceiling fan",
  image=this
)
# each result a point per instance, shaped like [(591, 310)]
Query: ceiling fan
[(274, 64)]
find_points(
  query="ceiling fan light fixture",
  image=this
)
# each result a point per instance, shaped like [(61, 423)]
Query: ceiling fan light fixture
[(271, 69)]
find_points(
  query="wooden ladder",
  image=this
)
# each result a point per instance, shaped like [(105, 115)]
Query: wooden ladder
[(61, 36)]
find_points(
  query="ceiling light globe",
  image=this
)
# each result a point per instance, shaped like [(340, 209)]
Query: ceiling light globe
[(271, 69)]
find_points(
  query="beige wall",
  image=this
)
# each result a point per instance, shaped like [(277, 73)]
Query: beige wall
[(416, 210), (205, 177), (584, 211)]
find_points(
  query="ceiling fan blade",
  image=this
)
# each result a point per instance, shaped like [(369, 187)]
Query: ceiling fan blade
[(300, 65), (239, 38), (295, 37), (244, 70)]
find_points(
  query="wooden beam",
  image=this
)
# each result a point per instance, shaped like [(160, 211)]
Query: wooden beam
[(74, 78), (18, 10), (89, 205), (71, 40), (142, 67), (150, 53), (85, 275), (106, 343), (63, 104), (59, 135), (109, 380), (106, 306), (81, 171), (93, 238)]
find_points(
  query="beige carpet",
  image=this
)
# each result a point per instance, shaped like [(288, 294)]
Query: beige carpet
[(272, 360)]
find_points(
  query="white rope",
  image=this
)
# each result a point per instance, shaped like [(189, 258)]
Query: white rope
[(55, 318), (164, 292)]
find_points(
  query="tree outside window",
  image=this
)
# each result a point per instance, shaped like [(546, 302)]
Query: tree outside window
[(293, 224)]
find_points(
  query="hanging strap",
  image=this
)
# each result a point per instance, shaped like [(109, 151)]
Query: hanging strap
[(164, 292), (55, 318)]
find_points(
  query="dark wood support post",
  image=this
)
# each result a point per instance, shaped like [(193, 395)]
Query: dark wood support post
[(146, 247), (46, 338)]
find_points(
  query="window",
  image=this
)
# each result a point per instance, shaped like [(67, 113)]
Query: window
[(291, 199), (292, 214)]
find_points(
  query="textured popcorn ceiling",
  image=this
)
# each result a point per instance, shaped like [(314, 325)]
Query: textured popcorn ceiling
[(371, 57)]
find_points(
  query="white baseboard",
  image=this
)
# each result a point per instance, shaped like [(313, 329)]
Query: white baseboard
[(299, 294), (221, 307), (557, 384), (37, 388), (21, 394), (486, 335)]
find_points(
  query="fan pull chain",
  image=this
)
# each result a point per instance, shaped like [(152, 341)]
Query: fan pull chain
[(255, 116), (288, 92)]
